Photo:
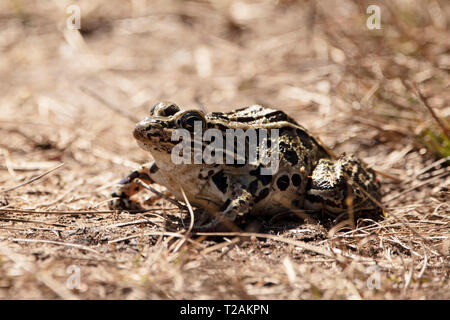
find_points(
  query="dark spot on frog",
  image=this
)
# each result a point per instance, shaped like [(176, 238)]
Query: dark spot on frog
[(221, 127), (296, 180), (144, 176), (283, 183), (225, 205), (305, 138), (220, 181), (256, 172), (291, 156), (245, 119), (253, 187), (154, 168), (285, 131), (264, 193), (277, 116), (313, 198), (265, 179), (219, 115), (283, 145)]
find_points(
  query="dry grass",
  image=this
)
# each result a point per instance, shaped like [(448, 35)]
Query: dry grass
[(70, 97)]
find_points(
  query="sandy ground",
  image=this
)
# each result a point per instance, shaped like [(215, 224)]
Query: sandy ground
[(71, 97)]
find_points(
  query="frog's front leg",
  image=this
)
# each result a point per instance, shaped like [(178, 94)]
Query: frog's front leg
[(337, 185), (128, 186), (234, 209)]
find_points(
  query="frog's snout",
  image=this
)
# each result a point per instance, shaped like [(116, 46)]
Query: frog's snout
[(148, 128), (139, 132)]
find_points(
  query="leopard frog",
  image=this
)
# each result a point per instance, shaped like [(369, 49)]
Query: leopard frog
[(307, 177)]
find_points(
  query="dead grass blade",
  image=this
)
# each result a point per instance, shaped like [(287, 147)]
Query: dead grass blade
[(59, 243), (191, 211), (162, 195), (62, 212), (108, 104), (221, 245), (156, 233), (300, 244), (415, 88), (32, 180), (35, 222)]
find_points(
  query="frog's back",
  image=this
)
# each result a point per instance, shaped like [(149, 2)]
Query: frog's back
[(291, 133), (252, 116)]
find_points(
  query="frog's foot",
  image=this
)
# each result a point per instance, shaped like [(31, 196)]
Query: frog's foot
[(337, 185), (232, 211), (129, 186)]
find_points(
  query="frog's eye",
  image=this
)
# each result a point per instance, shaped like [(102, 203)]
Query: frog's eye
[(169, 110), (189, 119)]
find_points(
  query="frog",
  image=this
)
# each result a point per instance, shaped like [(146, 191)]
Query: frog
[(308, 177)]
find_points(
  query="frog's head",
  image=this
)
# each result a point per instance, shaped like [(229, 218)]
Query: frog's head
[(154, 133)]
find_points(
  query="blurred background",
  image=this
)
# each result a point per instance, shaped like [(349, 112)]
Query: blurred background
[(89, 67), (368, 77)]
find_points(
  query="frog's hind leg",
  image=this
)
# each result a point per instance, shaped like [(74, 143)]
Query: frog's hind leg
[(337, 185), (128, 186)]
